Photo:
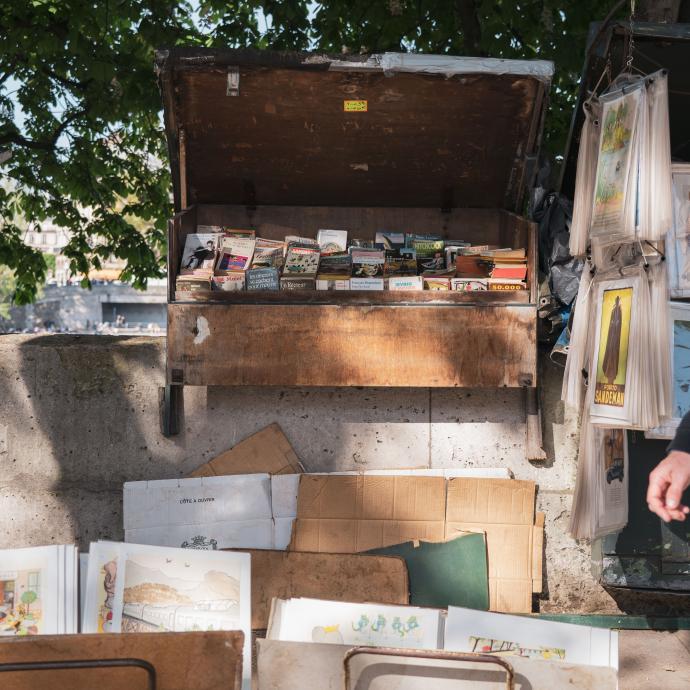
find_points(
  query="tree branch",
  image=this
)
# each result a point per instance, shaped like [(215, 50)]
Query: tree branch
[(466, 11), (46, 145)]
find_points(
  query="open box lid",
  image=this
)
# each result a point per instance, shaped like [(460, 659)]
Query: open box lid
[(394, 129)]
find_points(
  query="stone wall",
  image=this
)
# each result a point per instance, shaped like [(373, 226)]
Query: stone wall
[(79, 415)]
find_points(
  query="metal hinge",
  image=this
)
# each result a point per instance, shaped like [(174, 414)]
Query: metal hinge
[(233, 88)]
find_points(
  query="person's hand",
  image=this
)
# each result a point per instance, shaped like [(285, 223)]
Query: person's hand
[(667, 482)]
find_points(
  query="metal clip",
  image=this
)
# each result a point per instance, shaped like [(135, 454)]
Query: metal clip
[(233, 88)]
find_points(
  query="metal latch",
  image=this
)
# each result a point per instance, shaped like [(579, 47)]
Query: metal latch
[(233, 88)]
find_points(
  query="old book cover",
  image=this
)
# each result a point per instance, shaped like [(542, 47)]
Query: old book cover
[(301, 261), (261, 279), (332, 241), (469, 284), (267, 257), (335, 267), (390, 241), (297, 282), (228, 283), (400, 262), (405, 283), (336, 577), (367, 263), (366, 284), (199, 254), (235, 254), (436, 283)]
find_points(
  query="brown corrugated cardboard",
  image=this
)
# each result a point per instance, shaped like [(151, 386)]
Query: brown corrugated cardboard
[(267, 451), (337, 577), (504, 510), (346, 514), (350, 514), (217, 660)]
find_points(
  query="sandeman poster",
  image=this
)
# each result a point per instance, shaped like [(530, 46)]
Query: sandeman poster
[(614, 336)]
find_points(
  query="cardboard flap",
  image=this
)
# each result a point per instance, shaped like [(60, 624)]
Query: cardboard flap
[(336, 577), (267, 451), (256, 127), (491, 501)]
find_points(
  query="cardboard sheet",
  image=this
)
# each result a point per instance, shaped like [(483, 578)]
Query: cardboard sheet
[(467, 630), (451, 573), (219, 655), (267, 451), (309, 666), (374, 625), (347, 514), (337, 577), (212, 512), (504, 511)]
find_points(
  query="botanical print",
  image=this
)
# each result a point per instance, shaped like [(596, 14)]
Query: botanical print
[(483, 645), (614, 161), (612, 359), (21, 605), (178, 591), (681, 367)]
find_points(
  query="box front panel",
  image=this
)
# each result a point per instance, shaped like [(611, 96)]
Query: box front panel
[(330, 345)]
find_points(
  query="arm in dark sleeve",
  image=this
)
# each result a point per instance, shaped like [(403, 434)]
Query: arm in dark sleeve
[(681, 441)]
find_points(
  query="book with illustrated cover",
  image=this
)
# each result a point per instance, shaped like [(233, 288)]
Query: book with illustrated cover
[(301, 260), (510, 270), (39, 592), (390, 241), (400, 262), (267, 257), (235, 254), (406, 283), (297, 282), (366, 284), (305, 241), (263, 279), (332, 241), (199, 254), (231, 282), (335, 267), (144, 588), (411, 238), (367, 263), (430, 254)]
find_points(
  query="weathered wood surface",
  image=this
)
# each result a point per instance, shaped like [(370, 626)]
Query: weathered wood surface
[(285, 138), (183, 661), (329, 345)]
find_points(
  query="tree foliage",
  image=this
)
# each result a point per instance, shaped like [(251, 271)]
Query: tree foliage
[(80, 109)]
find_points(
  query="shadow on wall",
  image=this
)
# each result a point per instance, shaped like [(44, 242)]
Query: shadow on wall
[(82, 417)]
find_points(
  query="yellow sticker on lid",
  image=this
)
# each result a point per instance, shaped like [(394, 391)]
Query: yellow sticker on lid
[(355, 106)]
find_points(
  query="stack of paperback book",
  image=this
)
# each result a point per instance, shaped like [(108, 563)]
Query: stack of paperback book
[(226, 259)]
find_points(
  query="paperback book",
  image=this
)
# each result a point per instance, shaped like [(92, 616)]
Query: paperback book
[(260, 279), (400, 262), (390, 241), (231, 282), (235, 254), (367, 263), (335, 267), (406, 283), (297, 282), (366, 284), (301, 260), (332, 241), (199, 255)]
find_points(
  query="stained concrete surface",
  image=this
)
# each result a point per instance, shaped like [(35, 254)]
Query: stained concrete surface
[(79, 415)]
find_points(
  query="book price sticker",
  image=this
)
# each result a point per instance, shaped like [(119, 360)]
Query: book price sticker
[(355, 106)]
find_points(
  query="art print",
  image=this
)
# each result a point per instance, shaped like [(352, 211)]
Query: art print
[(483, 645), (615, 162), (21, 602), (612, 350)]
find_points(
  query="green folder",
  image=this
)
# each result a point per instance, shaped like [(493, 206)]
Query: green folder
[(442, 574)]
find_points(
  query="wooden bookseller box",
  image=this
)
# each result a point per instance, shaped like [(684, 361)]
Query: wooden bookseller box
[(442, 145)]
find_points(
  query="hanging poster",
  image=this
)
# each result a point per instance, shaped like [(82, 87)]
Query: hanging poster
[(611, 483), (614, 336), (678, 239), (679, 338), (617, 160), (613, 396)]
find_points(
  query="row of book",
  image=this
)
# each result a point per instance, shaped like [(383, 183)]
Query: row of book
[(226, 259)]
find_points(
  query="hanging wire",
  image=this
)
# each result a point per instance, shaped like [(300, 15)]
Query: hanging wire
[(631, 38)]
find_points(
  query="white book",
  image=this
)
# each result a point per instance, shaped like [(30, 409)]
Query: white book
[(406, 283), (468, 630), (39, 591), (366, 284), (332, 241), (336, 622)]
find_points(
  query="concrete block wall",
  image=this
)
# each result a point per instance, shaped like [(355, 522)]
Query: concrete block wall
[(79, 415)]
